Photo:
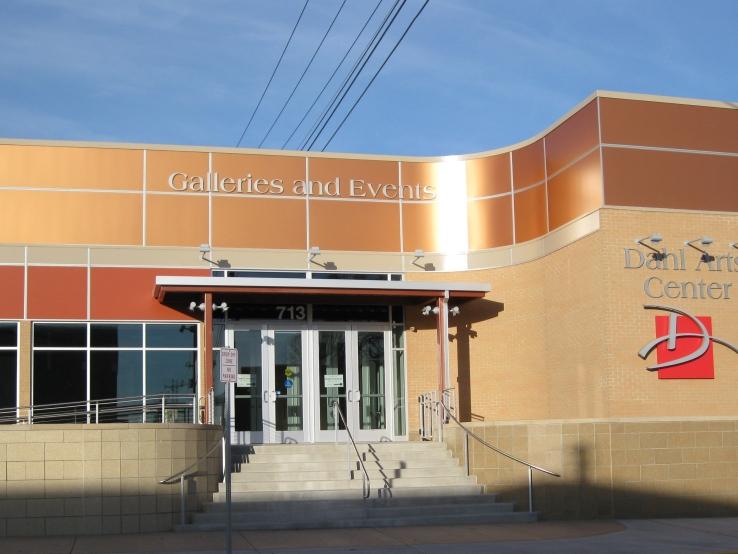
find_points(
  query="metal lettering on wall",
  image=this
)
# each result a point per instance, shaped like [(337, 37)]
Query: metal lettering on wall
[(655, 286), (249, 184), (684, 350)]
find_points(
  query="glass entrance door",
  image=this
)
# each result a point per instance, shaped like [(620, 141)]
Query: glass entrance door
[(352, 368), (268, 397)]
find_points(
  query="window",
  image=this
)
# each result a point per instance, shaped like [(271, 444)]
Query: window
[(8, 368), (89, 362)]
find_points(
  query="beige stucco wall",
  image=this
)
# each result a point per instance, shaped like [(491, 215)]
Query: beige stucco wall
[(558, 337), (611, 468), (92, 479)]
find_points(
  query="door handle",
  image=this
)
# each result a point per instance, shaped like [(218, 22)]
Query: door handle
[(272, 396), (266, 396), (358, 396), (349, 396)]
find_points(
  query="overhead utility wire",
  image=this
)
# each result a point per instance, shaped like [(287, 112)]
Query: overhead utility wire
[(375, 75), (286, 102), (325, 86), (326, 120), (289, 40), (353, 74)]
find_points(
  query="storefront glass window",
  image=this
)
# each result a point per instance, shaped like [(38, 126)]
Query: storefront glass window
[(8, 365)]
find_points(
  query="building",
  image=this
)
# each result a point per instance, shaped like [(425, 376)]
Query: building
[(344, 274)]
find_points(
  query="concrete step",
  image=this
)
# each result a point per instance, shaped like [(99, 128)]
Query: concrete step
[(357, 511), (320, 505), (298, 474), (329, 521), (336, 484), (348, 494), (418, 463), (328, 447), (340, 456)]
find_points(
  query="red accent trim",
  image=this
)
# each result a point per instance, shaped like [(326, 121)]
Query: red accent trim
[(11, 292), (57, 292)]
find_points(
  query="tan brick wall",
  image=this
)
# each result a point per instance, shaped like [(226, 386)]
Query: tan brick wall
[(620, 468), (92, 479), (558, 337)]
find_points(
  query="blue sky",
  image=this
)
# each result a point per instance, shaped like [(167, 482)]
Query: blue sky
[(470, 76)]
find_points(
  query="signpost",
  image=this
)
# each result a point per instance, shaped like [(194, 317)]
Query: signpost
[(228, 375)]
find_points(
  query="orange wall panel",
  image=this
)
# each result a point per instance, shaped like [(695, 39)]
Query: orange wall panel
[(45, 217), (375, 172), (57, 292), (71, 168), (575, 191), (11, 292), (361, 225), (490, 223), (128, 293), (530, 214), (572, 138), (528, 167), (419, 227), (259, 223), (236, 166), (173, 220), (670, 180), (160, 164), (488, 175), (669, 125)]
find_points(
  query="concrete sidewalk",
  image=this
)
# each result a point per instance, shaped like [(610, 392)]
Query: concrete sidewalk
[(718, 535)]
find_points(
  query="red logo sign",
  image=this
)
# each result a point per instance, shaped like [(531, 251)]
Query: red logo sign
[(686, 339)]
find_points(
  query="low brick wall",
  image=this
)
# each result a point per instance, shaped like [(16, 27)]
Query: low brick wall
[(94, 479), (611, 468)]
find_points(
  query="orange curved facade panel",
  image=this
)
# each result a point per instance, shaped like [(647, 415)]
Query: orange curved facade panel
[(259, 223), (575, 191), (176, 220), (528, 165), (361, 225), (530, 214), (572, 139), (669, 125), (57, 292), (126, 293), (70, 167), (488, 176), (33, 217), (351, 178), (419, 227), (490, 223), (11, 292), (258, 174), (162, 164), (670, 180)]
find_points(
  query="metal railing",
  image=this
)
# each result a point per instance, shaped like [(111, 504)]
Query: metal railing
[(440, 413), (154, 408), (189, 472), (365, 481)]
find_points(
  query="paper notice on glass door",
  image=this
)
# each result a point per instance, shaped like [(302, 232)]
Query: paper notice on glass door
[(333, 381)]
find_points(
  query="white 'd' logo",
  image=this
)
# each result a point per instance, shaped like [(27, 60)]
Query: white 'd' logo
[(672, 337)]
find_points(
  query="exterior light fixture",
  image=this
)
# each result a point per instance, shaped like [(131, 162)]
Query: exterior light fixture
[(734, 244), (195, 305), (654, 238), (315, 252), (704, 241), (454, 311), (419, 255), (205, 250), (222, 306), (428, 310)]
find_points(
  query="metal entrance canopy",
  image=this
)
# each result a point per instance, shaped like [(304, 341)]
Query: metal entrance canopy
[(408, 290)]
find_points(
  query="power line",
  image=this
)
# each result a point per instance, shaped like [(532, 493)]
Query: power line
[(289, 40), (350, 79), (307, 67), (325, 86), (319, 131), (375, 75)]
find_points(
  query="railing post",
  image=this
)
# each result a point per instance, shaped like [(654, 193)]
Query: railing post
[(97, 412), (182, 501), (466, 455), (335, 422), (530, 489), (163, 407), (194, 409), (30, 415)]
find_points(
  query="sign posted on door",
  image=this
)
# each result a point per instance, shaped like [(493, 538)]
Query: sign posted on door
[(228, 365)]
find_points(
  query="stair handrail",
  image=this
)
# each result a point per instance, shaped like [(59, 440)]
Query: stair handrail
[(366, 483), (468, 433), (186, 474)]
